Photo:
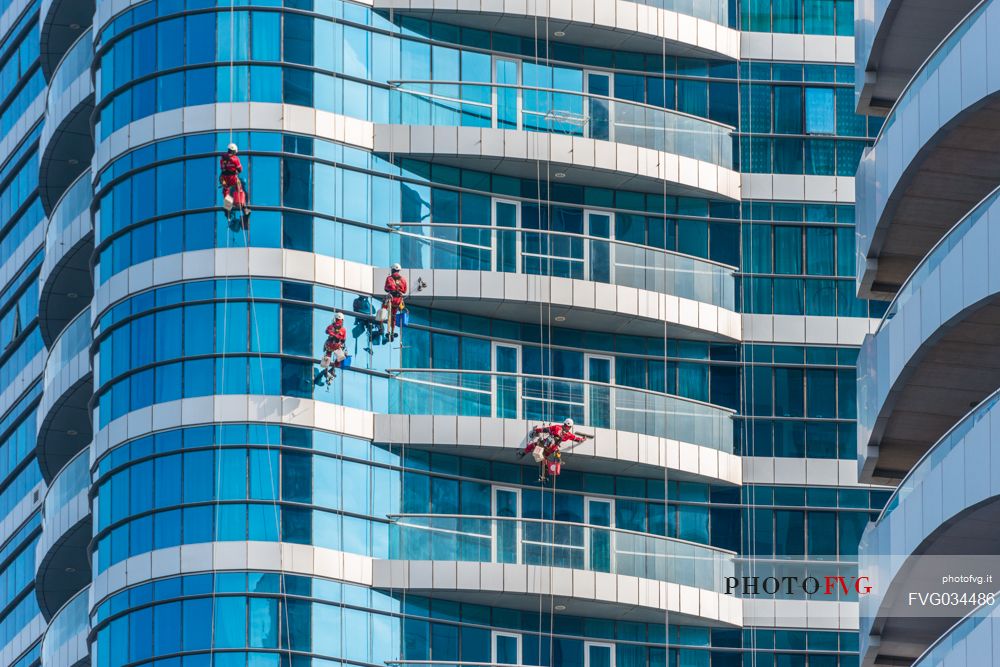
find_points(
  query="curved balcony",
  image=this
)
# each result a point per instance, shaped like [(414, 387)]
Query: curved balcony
[(586, 139), (591, 282), (577, 304), (65, 641), (934, 158), (973, 636), (563, 254), (488, 415), (698, 29), (66, 145), (64, 426), (934, 354), (61, 555), (940, 508), (61, 24), (65, 283), (891, 39), (588, 570)]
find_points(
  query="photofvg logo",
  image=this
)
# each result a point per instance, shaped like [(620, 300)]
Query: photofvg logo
[(797, 578), (830, 586)]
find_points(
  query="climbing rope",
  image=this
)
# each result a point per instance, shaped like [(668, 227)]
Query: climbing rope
[(225, 337), (273, 481), (746, 369), (666, 356)]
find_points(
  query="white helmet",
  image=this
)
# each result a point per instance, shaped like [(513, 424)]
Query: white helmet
[(233, 148), (397, 267), (339, 317), (568, 423)]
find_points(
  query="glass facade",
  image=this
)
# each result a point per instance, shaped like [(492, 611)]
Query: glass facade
[(938, 290), (22, 351), (244, 506)]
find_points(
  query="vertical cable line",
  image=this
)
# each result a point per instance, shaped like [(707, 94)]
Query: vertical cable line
[(274, 485), (748, 390), (273, 481), (391, 385), (519, 109), (225, 336), (545, 325), (666, 364)]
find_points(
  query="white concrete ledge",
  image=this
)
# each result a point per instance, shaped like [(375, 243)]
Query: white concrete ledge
[(807, 329), (618, 25), (301, 559), (233, 408), (610, 452), (583, 160), (793, 187), (261, 116), (586, 304), (788, 47), (802, 471), (582, 592)]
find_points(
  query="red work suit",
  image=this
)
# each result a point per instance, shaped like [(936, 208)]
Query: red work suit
[(230, 168), (556, 434), (336, 336), (396, 287)]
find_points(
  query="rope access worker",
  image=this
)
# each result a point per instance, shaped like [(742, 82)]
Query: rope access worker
[(545, 444), (230, 169), (396, 288), (333, 349)]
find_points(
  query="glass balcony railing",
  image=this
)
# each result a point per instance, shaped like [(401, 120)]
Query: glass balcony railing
[(568, 112), (545, 399), (68, 483), (521, 541), (977, 630), (76, 61), (75, 338), (898, 144), (952, 240), (70, 624), (928, 72), (71, 204), (423, 245), (933, 460)]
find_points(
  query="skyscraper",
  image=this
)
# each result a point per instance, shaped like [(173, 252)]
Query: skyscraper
[(927, 238), (636, 215)]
